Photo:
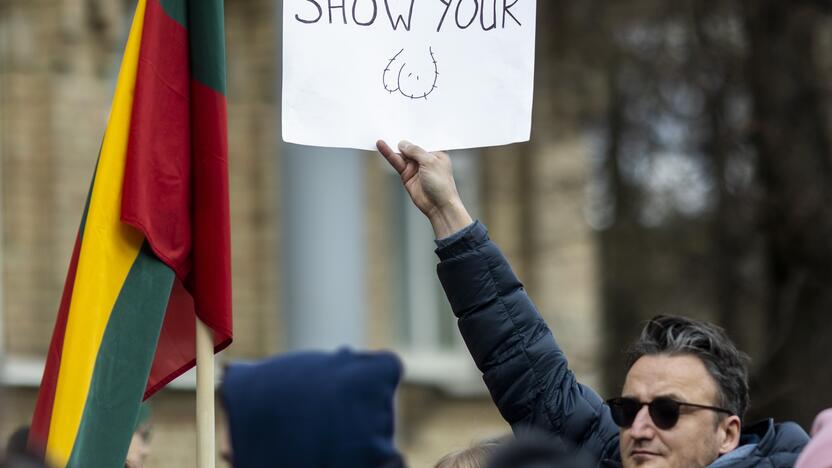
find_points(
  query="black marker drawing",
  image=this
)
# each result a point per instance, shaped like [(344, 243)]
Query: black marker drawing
[(407, 82)]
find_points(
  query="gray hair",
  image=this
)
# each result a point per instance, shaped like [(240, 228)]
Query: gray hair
[(727, 365)]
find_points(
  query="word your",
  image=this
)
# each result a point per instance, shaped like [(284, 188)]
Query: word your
[(366, 12)]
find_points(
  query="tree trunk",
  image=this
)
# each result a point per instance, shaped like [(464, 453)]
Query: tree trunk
[(789, 131)]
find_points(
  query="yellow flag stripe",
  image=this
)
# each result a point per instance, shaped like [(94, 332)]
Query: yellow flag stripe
[(108, 250)]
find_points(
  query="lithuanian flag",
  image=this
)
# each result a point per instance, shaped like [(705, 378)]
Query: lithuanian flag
[(152, 252)]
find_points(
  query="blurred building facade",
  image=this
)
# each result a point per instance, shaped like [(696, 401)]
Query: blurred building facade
[(58, 62), (679, 163)]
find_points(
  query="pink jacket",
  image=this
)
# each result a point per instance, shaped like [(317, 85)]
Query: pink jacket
[(818, 454)]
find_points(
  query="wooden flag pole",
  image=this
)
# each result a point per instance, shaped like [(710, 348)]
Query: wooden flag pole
[(205, 454)]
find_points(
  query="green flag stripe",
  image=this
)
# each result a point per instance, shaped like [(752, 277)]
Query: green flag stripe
[(177, 10), (123, 365), (204, 20), (206, 34)]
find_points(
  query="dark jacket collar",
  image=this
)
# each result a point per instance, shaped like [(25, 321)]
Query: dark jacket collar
[(780, 438)]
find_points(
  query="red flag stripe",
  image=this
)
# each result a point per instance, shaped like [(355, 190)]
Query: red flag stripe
[(176, 189)]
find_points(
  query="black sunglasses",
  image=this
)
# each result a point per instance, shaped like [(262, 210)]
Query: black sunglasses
[(663, 411)]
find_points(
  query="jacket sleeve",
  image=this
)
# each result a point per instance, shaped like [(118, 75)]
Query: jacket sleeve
[(525, 370)]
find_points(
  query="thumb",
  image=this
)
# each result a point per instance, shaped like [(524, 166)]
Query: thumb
[(413, 152)]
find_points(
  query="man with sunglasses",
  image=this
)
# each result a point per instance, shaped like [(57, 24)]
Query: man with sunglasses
[(686, 387)]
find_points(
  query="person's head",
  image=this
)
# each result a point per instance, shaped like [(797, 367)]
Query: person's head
[(331, 409), (18, 454), (18, 442), (680, 360), (475, 456), (535, 449), (140, 442)]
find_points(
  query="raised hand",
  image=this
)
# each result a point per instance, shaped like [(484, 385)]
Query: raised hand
[(429, 180)]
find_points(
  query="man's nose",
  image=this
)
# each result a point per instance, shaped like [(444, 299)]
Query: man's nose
[(643, 427)]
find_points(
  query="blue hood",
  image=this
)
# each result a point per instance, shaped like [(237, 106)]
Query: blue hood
[(313, 410)]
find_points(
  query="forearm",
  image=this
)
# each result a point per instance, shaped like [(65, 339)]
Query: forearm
[(498, 321), (523, 366), (449, 218)]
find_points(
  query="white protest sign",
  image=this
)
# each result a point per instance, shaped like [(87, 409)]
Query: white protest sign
[(445, 74)]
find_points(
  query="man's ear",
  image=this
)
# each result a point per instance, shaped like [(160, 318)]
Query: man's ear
[(730, 429)]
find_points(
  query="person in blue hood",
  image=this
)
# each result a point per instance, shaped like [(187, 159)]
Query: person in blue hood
[(313, 410)]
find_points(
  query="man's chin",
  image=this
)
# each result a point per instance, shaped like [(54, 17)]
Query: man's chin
[(645, 460)]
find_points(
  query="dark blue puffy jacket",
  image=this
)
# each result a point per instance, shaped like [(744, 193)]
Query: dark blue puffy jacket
[(526, 372)]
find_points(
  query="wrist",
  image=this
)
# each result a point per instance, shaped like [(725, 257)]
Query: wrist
[(449, 218)]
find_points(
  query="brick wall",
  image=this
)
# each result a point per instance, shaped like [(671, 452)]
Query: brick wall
[(57, 72), (58, 67)]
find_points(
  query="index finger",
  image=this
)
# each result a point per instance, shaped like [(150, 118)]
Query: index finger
[(396, 160)]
